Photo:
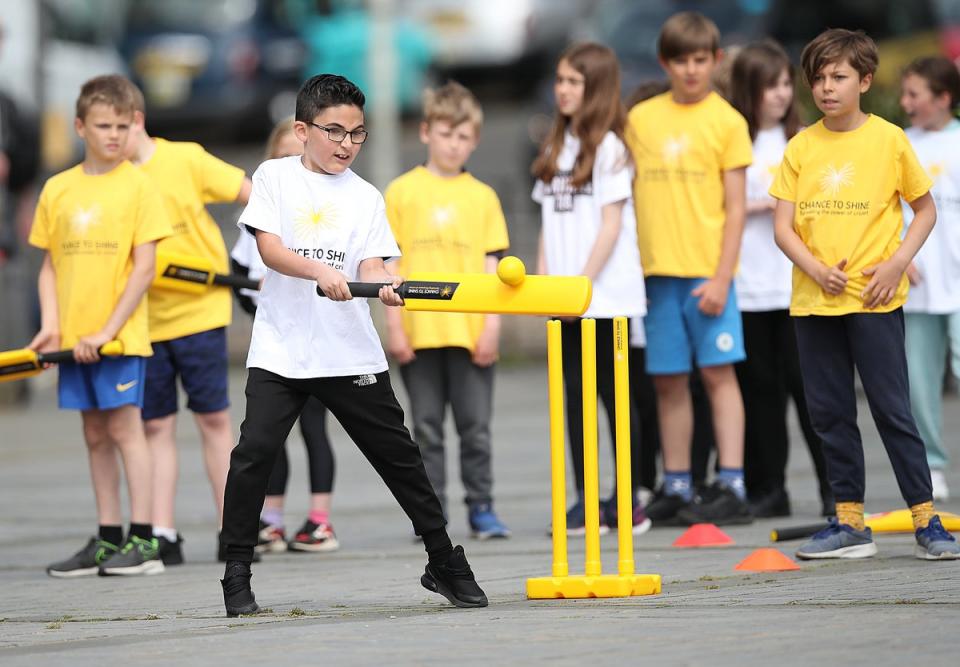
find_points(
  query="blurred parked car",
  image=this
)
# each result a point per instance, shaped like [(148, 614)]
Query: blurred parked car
[(235, 63)]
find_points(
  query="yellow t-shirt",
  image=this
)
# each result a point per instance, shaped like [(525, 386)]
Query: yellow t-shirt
[(681, 152), (846, 187), (444, 224), (189, 178), (90, 225)]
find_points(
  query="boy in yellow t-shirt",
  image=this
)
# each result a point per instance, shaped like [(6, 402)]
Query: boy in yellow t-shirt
[(839, 219), (691, 150), (99, 223), (444, 219), (188, 330)]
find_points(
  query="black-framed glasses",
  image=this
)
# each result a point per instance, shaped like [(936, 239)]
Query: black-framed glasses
[(338, 134)]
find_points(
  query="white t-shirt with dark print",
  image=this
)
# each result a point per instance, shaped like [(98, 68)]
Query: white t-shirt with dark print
[(572, 219), (939, 258), (336, 219), (764, 277)]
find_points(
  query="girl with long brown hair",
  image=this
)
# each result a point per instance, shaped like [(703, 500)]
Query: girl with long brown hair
[(584, 187)]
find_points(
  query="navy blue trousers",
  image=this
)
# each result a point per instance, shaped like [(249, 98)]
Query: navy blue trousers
[(830, 348)]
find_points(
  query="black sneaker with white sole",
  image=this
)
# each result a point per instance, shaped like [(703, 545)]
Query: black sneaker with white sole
[(85, 562), (718, 505), (454, 580), (238, 598), (138, 556)]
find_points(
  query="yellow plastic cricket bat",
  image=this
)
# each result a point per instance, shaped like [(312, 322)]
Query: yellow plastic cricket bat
[(19, 364), (195, 275), (509, 292)]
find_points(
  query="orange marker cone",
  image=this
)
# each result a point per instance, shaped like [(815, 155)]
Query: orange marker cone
[(767, 560), (703, 535)]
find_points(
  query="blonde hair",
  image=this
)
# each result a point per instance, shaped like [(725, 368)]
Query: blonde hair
[(279, 130), (452, 103), (111, 89)]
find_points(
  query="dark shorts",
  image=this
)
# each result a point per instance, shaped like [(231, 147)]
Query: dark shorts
[(108, 384), (200, 360)]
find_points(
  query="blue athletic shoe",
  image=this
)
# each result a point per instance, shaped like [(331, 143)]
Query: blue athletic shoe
[(838, 540), (935, 543), (485, 524)]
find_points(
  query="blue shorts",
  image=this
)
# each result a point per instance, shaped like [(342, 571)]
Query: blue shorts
[(678, 334), (110, 383), (200, 360)]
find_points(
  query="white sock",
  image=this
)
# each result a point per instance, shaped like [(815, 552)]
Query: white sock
[(169, 533)]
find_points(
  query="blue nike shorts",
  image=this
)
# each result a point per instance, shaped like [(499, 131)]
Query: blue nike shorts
[(679, 334), (110, 383), (200, 360)]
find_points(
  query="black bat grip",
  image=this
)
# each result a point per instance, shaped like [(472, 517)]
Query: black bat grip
[(365, 290), (231, 280), (795, 532), (55, 357)]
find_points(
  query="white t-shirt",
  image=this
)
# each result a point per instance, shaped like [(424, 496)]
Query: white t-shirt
[(339, 220), (572, 218), (246, 252), (764, 277), (939, 258)]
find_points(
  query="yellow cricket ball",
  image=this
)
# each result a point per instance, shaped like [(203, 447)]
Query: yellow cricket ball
[(511, 270)]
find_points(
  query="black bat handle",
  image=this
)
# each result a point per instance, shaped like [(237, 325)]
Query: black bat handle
[(55, 357), (795, 532), (231, 280), (365, 290)]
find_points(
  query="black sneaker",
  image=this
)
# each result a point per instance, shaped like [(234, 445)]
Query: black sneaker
[(772, 504), (717, 505), (454, 580), (222, 552), (170, 552), (85, 562), (238, 598), (138, 556), (663, 509)]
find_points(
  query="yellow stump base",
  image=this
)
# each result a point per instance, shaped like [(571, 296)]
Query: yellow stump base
[(600, 586)]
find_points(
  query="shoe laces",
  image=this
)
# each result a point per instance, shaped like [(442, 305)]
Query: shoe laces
[(832, 527), (936, 532), (457, 565)]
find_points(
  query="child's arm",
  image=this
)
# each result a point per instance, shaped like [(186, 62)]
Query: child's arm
[(48, 338), (885, 276), (285, 261), (713, 293), (541, 257), (611, 221), (487, 349), (831, 279), (398, 343), (373, 270), (144, 259), (245, 189)]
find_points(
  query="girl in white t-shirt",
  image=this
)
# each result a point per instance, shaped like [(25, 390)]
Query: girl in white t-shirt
[(762, 89), (930, 94), (584, 187), (316, 534)]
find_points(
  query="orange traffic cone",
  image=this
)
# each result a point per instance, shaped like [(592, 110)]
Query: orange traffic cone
[(767, 560), (703, 535)]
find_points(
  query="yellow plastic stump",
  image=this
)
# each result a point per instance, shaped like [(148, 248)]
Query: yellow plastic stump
[(592, 584)]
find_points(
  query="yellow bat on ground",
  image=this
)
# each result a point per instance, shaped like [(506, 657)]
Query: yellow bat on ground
[(509, 292), (195, 275), (19, 364)]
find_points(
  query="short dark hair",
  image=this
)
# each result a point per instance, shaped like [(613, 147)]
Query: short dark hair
[(685, 33), (110, 89), (941, 75), (326, 90), (836, 45)]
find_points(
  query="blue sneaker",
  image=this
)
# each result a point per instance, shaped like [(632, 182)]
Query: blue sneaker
[(935, 543), (838, 540), (485, 523)]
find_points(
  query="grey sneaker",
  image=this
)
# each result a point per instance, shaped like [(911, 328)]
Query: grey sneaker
[(838, 540), (935, 543), (138, 556), (85, 562)]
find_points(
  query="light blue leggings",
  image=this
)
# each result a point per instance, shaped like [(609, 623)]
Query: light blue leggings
[(927, 339)]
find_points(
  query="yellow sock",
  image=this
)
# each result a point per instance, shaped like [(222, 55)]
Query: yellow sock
[(851, 514), (922, 513)]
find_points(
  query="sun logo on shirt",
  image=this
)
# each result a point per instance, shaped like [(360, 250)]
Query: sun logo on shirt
[(935, 170), (675, 147), (441, 216), (309, 223), (83, 218), (832, 179)]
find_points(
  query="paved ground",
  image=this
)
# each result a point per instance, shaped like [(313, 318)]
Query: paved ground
[(364, 605)]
